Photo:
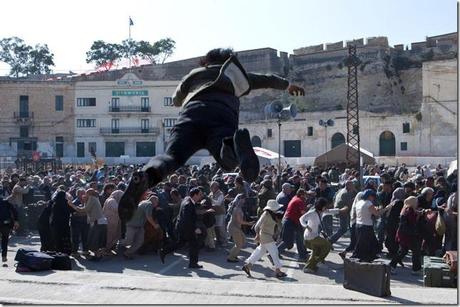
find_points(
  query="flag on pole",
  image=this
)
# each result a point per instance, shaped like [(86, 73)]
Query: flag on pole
[(131, 23)]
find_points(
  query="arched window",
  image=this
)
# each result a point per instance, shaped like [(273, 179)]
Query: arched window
[(387, 144), (337, 139), (256, 141)]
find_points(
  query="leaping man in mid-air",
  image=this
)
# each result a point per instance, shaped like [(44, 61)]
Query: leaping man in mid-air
[(209, 96)]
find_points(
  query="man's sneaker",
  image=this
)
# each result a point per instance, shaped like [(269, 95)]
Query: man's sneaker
[(280, 275), (247, 270), (137, 186), (195, 266), (85, 253), (416, 273), (393, 270), (231, 260), (249, 163), (162, 255), (308, 270)]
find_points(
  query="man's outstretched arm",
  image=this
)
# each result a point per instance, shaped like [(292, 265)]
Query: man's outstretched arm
[(258, 81)]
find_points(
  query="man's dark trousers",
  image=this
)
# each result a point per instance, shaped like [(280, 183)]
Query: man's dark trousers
[(290, 232), (79, 228), (201, 125), (344, 225)]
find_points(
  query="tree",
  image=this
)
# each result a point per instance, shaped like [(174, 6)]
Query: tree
[(166, 47), (40, 60), (25, 60), (14, 52), (147, 51), (106, 54), (103, 54)]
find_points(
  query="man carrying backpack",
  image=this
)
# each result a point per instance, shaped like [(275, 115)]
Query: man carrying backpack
[(9, 221)]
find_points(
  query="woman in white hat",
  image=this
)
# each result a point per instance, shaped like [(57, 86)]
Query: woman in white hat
[(265, 235)]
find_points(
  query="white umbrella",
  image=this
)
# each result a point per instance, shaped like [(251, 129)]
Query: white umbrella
[(452, 167)]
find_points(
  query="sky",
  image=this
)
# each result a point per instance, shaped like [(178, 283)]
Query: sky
[(69, 27)]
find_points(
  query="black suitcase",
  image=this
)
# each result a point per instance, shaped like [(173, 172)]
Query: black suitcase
[(61, 261), (368, 277)]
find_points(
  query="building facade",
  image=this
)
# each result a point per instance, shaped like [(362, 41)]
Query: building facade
[(428, 136), (126, 120), (36, 116)]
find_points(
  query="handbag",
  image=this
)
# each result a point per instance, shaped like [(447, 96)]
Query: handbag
[(325, 236), (440, 225)]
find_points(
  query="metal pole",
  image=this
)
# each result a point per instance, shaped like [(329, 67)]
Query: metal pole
[(279, 155), (129, 40), (325, 144)]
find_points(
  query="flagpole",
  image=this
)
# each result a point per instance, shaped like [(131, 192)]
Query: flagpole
[(129, 39)]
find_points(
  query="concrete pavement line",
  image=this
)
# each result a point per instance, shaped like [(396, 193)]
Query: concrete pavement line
[(170, 266), (17, 301)]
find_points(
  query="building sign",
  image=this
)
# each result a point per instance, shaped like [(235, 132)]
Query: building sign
[(129, 82), (130, 93)]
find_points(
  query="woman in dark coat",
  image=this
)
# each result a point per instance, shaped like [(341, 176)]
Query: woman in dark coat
[(60, 227), (408, 236), (393, 221), (44, 228)]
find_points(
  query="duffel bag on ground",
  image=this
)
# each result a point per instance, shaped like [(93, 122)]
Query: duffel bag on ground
[(368, 277), (20, 254), (61, 261), (36, 261)]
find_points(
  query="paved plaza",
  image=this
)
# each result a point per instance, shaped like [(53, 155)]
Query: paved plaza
[(146, 280)]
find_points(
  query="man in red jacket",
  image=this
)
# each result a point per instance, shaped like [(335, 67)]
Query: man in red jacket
[(291, 229)]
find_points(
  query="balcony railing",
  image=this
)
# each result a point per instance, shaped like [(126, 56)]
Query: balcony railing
[(130, 130), (129, 109), (23, 116)]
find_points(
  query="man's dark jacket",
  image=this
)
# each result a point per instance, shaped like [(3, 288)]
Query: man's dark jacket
[(186, 220)]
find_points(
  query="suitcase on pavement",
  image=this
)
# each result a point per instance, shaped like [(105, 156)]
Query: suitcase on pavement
[(436, 273), (61, 261), (368, 277)]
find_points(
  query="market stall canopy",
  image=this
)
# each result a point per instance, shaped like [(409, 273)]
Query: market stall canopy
[(267, 157), (338, 156)]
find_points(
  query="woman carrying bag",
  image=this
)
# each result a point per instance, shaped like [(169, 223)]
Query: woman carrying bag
[(312, 221), (408, 235), (265, 234)]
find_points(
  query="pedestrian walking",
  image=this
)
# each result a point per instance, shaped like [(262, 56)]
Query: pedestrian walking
[(265, 234)]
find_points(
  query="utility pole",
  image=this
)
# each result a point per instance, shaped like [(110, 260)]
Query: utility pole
[(353, 156)]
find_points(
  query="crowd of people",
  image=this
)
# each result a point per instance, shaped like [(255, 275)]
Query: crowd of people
[(390, 212)]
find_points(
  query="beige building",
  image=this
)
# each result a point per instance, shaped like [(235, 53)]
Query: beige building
[(127, 120), (36, 116)]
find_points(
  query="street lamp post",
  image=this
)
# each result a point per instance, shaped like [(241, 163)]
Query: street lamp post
[(325, 124), (278, 179), (276, 110)]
